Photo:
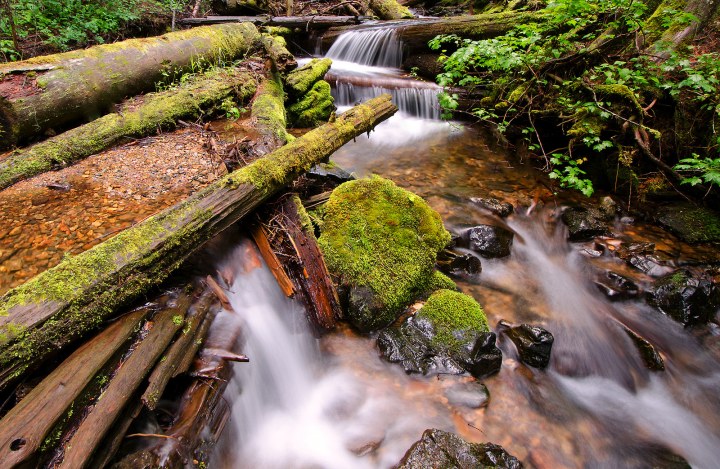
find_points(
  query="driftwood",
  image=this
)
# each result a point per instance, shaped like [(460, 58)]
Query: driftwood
[(52, 91), (26, 425), (154, 111), (72, 299), (304, 22), (78, 449), (292, 236), (415, 34)]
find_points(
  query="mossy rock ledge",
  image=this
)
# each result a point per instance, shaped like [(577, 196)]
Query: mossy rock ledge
[(449, 334), (380, 243)]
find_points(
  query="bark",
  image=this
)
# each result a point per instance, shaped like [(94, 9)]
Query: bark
[(283, 61), (154, 111), (28, 423), (390, 10), (172, 363), (56, 90), (66, 302), (300, 81), (305, 264), (304, 22), (88, 436), (261, 237), (415, 34), (387, 83)]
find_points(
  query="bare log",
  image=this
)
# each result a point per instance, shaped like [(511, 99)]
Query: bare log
[(154, 111), (260, 236), (313, 22), (27, 424), (55, 90), (81, 446), (66, 302)]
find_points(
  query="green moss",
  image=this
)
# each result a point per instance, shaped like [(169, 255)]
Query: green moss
[(390, 10), (383, 238), (305, 221), (691, 223), (518, 93), (268, 109), (449, 312), (314, 107), (440, 281), (299, 81)]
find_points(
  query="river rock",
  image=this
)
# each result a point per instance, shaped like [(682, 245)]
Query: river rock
[(464, 265), (533, 343), (690, 223), (650, 356), (488, 240), (584, 223), (685, 298), (469, 394), (328, 172), (440, 449), (616, 287), (498, 207), (643, 257), (449, 334)]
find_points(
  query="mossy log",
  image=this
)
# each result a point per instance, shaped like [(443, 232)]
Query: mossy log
[(299, 81), (390, 10), (275, 47), (136, 118), (59, 306), (25, 427), (313, 22), (267, 117), (415, 34), (56, 90)]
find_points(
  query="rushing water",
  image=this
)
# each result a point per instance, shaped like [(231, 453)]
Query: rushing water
[(333, 403)]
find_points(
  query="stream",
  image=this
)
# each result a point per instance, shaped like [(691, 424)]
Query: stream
[(333, 403)]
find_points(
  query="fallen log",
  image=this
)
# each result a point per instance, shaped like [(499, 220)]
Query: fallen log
[(78, 449), (261, 237), (416, 33), (26, 425), (305, 22), (275, 46), (55, 90), (387, 83), (390, 10), (267, 117), (59, 306), (154, 111)]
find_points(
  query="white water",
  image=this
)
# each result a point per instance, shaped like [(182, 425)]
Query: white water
[(377, 47)]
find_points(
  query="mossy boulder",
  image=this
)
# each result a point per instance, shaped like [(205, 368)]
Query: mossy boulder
[(449, 334), (690, 223), (685, 297), (380, 243), (314, 108)]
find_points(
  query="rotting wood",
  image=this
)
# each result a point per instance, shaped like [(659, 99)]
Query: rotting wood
[(275, 47), (260, 236), (267, 117), (173, 358), (55, 90), (72, 299), (26, 425), (122, 386), (304, 22), (155, 111)]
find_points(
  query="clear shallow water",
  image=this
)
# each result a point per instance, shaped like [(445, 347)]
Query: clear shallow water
[(332, 403)]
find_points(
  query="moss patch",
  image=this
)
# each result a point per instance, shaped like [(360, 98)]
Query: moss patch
[(301, 80), (383, 239), (452, 313), (314, 108), (692, 224)]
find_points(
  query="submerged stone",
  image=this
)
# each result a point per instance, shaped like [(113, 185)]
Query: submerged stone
[(650, 356), (498, 207), (685, 298), (533, 343), (459, 265), (439, 449), (488, 240), (616, 287), (584, 223), (380, 243), (690, 223), (448, 335)]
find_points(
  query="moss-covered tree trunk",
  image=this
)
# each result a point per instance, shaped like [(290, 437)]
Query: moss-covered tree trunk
[(154, 111), (53, 91), (66, 302)]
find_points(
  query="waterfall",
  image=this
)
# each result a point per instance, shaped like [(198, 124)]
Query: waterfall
[(378, 47), (417, 102)]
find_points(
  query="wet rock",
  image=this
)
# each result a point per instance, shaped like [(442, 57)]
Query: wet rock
[(533, 343), (459, 265), (447, 335), (609, 208), (439, 449), (685, 298), (329, 173), (498, 207), (690, 223), (642, 256), (650, 356), (616, 287), (488, 240), (469, 394), (584, 223)]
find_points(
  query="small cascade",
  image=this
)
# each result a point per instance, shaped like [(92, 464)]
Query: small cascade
[(378, 47), (419, 102)]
